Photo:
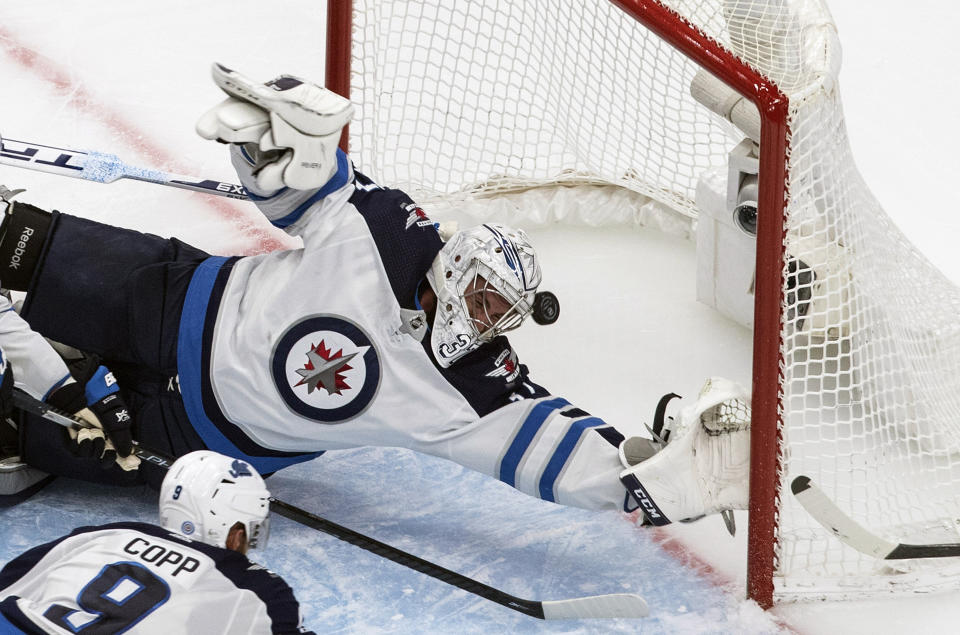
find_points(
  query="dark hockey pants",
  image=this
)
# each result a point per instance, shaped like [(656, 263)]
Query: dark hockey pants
[(119, 294)]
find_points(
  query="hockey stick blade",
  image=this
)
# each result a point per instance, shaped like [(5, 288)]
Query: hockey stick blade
[(627, 605), (597, 606), (855, 535), (101, 167)]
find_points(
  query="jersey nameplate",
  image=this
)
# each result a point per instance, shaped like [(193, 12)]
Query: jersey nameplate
[(162, 556)]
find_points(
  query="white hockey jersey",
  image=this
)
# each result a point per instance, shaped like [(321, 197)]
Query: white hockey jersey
[(37, 368), (139, 578), (286, 354)]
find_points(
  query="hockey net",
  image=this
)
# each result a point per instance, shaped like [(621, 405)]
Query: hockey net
[(857, 346)]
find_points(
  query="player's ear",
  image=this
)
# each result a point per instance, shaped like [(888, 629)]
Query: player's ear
[(237, 538)]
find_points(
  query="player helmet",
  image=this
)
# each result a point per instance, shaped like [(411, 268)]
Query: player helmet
[(205, 493), (485, 279)]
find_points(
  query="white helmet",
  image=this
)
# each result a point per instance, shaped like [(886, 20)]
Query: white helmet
[(205, 493), (485, 279)]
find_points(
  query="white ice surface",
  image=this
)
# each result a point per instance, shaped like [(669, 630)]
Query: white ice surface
[(131, 78)]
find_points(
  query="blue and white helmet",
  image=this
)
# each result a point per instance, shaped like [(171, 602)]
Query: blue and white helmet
[(205, 493), (485, 279)]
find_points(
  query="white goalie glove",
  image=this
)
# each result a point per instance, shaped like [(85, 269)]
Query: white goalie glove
[(705, 466), (290, 127)]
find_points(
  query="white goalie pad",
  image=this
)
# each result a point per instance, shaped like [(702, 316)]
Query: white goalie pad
[(16, 476)]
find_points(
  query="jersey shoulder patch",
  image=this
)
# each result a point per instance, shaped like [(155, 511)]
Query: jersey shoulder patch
[(505, 365)]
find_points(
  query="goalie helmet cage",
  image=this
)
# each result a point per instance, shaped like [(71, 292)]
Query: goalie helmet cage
[(856, 381)]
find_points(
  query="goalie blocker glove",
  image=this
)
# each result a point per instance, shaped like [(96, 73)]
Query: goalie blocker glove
[(290, 128), (98, 402)]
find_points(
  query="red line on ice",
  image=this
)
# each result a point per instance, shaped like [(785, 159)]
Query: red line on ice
[(137, 139), (689, 559), (672, 545)]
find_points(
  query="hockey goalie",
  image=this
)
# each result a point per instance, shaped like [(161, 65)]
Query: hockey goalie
[(378, 331)]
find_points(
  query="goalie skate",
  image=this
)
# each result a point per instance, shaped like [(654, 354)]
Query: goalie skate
[(705, 467)]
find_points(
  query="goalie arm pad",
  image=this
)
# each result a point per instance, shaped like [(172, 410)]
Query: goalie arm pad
[(546, 448), (38, 369), (289, 209)]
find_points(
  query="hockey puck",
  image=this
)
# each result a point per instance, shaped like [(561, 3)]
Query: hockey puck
[(546, 308)]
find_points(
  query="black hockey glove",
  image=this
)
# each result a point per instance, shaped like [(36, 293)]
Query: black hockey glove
[(98, 402)]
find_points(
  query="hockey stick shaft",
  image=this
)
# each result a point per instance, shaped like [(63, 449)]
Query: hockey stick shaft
[(103, 168), (598, 606), (855, 535)]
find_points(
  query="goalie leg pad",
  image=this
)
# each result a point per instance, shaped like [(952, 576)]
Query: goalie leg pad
[(24, 234), (18, 481), (705, 467)]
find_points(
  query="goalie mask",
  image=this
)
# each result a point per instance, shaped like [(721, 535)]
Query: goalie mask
[(205, 493), (485, 279)]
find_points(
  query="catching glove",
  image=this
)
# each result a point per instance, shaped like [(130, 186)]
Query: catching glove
[(290, 127)]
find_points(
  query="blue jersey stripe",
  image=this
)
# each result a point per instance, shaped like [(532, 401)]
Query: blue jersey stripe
[(10, 611), (337, 181), (524, 437), (190, 364), (562, 453)]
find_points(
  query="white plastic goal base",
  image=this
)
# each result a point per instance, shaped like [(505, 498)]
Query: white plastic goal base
[(573, 205)]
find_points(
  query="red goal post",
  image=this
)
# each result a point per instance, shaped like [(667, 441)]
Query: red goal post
[(772, 105), (856, 374)]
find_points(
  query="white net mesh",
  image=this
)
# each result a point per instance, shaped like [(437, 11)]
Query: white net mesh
[(460, 100), (464, 98)]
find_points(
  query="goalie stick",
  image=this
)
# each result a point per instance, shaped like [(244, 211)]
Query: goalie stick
[(627, 605), (103, 168), (855, 535)]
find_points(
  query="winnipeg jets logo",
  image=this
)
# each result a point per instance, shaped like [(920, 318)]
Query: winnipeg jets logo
[(326, 368), (416, 216), (506, 366)]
